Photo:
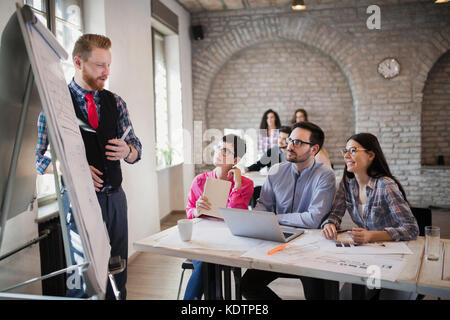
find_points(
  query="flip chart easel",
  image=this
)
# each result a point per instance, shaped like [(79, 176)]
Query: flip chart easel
[(31, 80)]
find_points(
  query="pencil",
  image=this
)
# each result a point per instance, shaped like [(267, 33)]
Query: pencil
[(276, 249), (125, 133)]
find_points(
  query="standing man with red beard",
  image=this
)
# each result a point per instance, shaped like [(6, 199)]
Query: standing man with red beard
[(103, 119)]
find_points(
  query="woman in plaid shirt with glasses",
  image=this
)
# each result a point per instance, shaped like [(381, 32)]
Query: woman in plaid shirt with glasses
[(375, 200)]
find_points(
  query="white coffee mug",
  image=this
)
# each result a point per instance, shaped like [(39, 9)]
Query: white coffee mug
[(185, 229)]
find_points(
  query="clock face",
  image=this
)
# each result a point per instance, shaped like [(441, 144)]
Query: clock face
[(389, 68)]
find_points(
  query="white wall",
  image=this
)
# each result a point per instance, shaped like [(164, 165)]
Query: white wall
[(127, 24), (94, 16), (151, 195), (170, 190), (175, 184)]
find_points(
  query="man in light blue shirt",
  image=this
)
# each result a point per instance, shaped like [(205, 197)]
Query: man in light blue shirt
[(300, 191)]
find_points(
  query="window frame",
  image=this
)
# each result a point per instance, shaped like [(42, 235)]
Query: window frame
[(156, 32), (51, 18), (177, 156)]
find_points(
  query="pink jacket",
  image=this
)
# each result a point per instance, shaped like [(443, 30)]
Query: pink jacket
[(236, 199)]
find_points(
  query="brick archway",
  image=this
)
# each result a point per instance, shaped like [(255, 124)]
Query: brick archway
[(434, 48), (338, 46)]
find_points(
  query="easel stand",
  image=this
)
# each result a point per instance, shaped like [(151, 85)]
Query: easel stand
[(8, 196), (16, 30)]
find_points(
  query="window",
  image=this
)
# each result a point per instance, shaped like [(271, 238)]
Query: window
[(69, 27), (166, 86), (161, 112), (168, 108), (64, 19)]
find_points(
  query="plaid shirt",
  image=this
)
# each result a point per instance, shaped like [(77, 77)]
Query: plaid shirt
[(385, 210), (42, 160)]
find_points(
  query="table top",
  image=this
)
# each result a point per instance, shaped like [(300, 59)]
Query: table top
[(417, 274), (434, 276), (228, 257)]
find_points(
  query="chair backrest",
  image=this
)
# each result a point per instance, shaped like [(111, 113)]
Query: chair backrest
[(423, 217)]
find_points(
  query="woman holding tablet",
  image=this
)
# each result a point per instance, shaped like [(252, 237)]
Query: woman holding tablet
[(227, 154)]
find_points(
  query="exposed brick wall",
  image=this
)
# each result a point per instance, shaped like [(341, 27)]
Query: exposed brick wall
[(436, 113), (417, 34), (283, 76)]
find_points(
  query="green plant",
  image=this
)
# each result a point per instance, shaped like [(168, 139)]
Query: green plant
[(167, 155)]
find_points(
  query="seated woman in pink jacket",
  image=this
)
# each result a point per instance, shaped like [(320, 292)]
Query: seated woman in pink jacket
[(226, 155)]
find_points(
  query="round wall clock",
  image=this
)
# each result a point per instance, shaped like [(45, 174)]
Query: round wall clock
[(389, 68)]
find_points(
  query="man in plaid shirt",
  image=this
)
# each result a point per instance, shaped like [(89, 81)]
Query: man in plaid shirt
[(103, 119)]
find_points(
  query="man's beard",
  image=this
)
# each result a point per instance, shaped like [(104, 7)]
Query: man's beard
[(92, 82), (297, 158)]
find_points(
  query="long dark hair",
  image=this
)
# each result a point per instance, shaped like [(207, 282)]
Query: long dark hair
[(378, 168), (294, 117), (263, 124)]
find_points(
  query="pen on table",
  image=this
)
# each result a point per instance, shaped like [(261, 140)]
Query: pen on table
[(125, 133), (276, 249), (343, 230)]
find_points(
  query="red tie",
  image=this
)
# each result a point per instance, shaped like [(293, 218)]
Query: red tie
[(92, 110)]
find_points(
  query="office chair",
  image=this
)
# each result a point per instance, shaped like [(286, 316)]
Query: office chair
[(423, 217), (187, 264)]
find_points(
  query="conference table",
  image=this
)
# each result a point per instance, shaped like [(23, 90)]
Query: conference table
[(213, 244)]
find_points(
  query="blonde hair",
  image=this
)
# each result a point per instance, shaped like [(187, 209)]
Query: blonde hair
[(84, 45)]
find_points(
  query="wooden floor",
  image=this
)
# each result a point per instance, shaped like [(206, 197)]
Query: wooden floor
[(156, 277)]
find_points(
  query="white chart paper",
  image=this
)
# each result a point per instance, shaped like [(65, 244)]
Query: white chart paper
[(314, 251), (61, 120)]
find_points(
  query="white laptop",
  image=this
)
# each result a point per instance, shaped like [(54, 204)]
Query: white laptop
[(257, 224)]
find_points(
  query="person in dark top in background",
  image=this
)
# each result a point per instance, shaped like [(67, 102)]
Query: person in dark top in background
[(271, 156), (275, 154)]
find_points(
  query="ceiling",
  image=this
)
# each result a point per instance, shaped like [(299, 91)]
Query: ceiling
[(217, 5)]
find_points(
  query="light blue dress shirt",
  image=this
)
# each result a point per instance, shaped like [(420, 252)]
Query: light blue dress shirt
[(300, 199)]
